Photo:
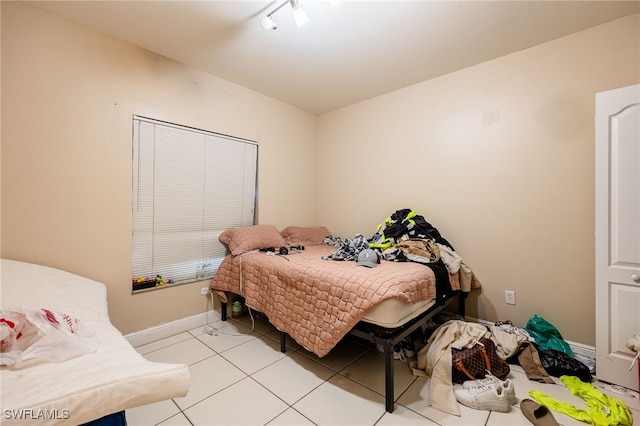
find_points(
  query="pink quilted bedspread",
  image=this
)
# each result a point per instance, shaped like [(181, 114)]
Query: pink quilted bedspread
[(318, 301)]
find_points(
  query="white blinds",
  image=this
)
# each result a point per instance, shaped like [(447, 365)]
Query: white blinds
[(188, 187)]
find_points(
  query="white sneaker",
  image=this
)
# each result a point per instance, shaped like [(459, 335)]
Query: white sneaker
[(406, 345), (490, 398), (399, 354), (491, 380)]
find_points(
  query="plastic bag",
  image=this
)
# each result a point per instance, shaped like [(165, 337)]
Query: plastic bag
[(33, 336), (558, 364), (546, 335)]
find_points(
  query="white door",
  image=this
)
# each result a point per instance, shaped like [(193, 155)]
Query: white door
[(617, 233)]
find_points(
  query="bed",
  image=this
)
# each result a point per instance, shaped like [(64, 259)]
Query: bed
[(93, 388), (317, 301)]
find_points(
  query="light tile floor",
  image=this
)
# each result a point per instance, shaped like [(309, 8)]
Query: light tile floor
[(240, 377)]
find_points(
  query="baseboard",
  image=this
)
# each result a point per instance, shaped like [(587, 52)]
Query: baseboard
[(200, 320), (577, 348), (169, 329)]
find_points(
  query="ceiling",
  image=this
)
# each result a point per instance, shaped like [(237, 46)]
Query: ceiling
[(349, 51)]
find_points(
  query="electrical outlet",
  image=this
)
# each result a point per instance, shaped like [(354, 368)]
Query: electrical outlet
[(204, 291), (510, 297)]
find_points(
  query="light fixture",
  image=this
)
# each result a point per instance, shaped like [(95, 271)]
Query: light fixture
[(298, 14), (267, 23)]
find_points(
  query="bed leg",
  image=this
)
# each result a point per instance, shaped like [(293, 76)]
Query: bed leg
[(389, 395), (463, 303), (283, 341), (223, 311)]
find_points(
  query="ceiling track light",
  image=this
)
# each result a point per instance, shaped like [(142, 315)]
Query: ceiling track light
[(299, 16)]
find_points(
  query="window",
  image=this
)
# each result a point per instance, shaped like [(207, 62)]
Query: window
[(189, 185)]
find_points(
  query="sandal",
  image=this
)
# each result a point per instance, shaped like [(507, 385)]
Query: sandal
[(537, 414)]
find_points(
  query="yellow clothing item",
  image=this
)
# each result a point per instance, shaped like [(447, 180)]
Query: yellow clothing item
[(603, 410)]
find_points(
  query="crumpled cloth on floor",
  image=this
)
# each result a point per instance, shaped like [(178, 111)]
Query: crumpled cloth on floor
[(507, 344), (434, 360), (603, 410), (529, 360)]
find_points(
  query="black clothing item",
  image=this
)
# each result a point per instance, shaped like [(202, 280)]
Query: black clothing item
[(558, 364), (424, 229), (416, 227), (443, 284)]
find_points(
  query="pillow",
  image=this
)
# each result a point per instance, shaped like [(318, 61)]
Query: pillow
[(247, 238), (304, 236)]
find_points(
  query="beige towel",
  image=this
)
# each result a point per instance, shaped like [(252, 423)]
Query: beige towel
[(507, 344), (455, 264), (434, 360)]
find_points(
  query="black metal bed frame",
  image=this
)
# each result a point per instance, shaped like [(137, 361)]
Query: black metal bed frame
[(387, 338)]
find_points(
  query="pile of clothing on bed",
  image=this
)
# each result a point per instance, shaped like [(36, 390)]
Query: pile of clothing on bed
[(406, 236)]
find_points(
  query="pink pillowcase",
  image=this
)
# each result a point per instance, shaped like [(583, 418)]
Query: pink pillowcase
[(248, 238), (294, 235)]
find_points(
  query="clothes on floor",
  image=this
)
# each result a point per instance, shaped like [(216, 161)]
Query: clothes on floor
[(529, 360), (434, 360), (603, 410), (507, 344)]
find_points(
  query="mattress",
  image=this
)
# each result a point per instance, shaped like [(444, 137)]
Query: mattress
[(318, 301), (393, 313), (87, 387)]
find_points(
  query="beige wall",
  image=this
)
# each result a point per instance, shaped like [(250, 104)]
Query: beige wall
[(68, 96), (500, 158)]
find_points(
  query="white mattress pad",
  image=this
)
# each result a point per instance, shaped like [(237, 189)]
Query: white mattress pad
[(88, 387), (393, 313)]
